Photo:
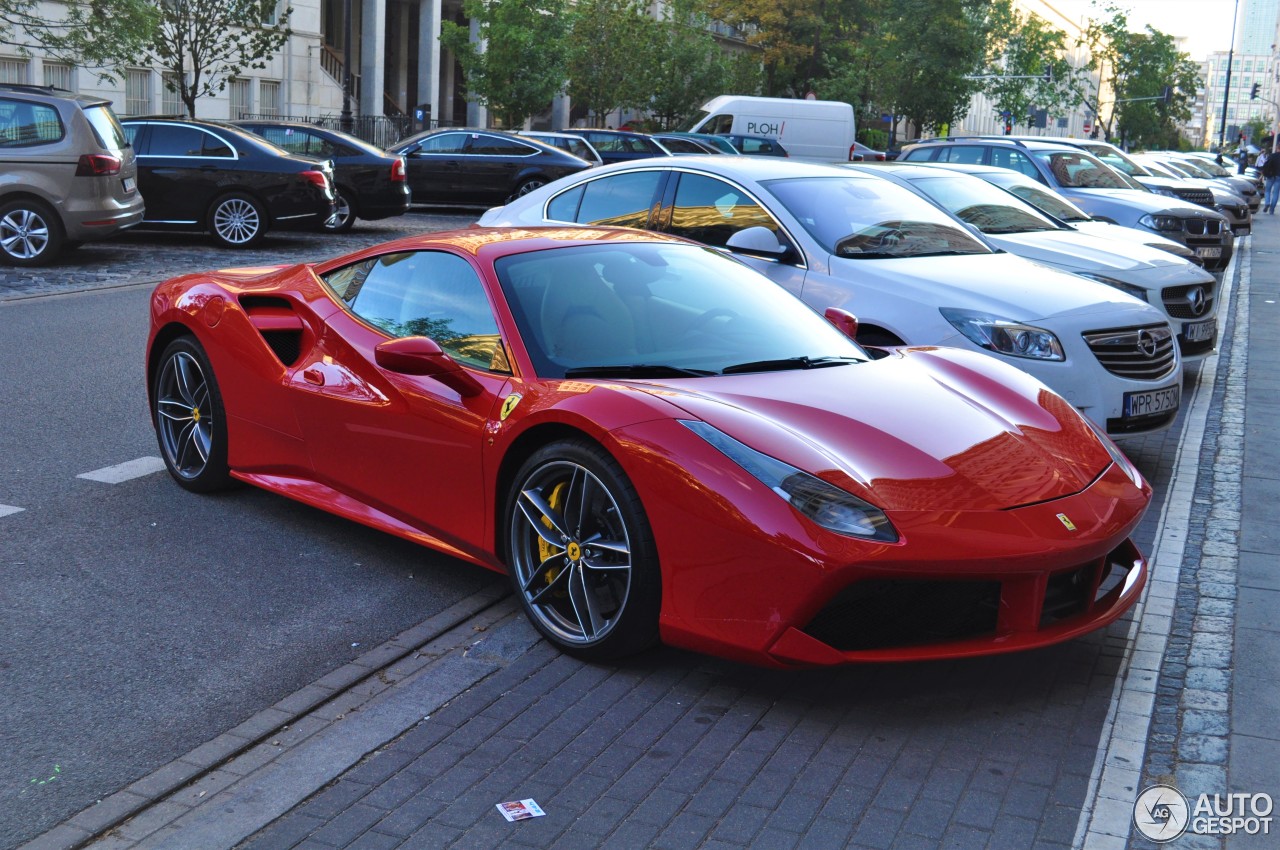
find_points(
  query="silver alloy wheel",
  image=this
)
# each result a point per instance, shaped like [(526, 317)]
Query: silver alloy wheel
[(184, 415), (528, 186), (236, 221), (341, 215), (24, 234), (571, 552)]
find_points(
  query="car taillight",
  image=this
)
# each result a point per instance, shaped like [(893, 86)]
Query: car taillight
[(97, 165), (397, 171), (881, 158), (316, 177), (854, 156)]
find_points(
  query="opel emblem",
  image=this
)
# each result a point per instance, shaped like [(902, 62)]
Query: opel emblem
[(1196, 300), (1146, 343)]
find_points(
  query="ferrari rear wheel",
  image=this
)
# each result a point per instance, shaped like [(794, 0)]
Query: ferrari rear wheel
[(191, 423), (581, 554)]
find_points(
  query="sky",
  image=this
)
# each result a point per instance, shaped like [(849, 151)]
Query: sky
[(1206, 23)]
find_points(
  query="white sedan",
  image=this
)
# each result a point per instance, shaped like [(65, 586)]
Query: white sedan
[(912, 273)]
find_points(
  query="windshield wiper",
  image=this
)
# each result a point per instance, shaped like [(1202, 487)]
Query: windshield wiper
[(784, 363), (636, 370)]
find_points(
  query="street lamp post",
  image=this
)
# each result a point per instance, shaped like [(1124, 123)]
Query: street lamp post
[(1226, 93), (346, 67)]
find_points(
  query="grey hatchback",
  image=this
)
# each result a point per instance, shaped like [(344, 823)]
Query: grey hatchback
[(67, 173)]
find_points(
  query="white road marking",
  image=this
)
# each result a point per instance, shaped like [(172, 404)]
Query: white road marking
[(125, 471), (5, 510)]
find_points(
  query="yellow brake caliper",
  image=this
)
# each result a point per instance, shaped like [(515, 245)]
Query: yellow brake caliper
[(547, 550)]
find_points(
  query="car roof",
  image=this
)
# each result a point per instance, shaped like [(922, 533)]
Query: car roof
[(743, 168), (1031, 143), (52, 92)]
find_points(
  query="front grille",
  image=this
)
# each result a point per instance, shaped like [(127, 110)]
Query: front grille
[(1203, 226), (880, 613), (1145, 353), (1188, 302), (1203, 197)]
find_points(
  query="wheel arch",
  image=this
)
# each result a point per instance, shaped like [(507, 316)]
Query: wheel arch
[(163, 337)]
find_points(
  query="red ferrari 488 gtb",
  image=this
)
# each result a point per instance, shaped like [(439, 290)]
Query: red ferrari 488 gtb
[(655, 443)]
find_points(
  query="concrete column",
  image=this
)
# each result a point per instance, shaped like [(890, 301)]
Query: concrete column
[(477, 115), (560, 110), (429, 57), (373, 47)]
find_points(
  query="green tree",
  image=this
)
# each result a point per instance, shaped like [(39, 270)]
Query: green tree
[(525, 56), (201, 46), (790, 35), (93, 34), (1029, 66), (605, 38), (686, 66), (1140, 66)]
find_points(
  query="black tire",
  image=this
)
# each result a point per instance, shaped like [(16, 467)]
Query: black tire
[(190, 420), (587, 578), (344, 217), (31, 233), (527, 186), (237, 220)]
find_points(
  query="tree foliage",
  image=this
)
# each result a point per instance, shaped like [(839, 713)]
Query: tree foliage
[(1029, 68), (790, 35), (686, 65), (201, 46), (93, 34), (524, 61), (605, 37)]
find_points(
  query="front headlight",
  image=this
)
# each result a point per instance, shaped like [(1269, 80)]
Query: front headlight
[(1177, 250), (1163, 223), (825, 504), (1163, 190), (1128, 288), (1004, 336)]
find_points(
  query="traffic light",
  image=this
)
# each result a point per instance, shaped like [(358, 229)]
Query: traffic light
[(1253, 93), (1048, 73), (1166, 94)]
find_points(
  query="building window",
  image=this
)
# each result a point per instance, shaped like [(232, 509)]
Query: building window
[(14, 70), (171, 98), (240, 102), (137, 92), (58, 75), (269, 97)]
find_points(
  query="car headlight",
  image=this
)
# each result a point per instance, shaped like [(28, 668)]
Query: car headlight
[(1004, 336), (1163, 223), (1163, 190), (825, 504), (1177, 250), (1128, 288), (1118, 457)]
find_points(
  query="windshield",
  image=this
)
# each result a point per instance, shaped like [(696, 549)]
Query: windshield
[(1213, 168), (1192, 168), (1078, 170), (988, 208), (1039, 197), (1117, 160), (1161, 170), (660, 310), (868, 218)]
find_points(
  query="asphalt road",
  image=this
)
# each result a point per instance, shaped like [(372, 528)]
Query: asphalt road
[(138, 620)]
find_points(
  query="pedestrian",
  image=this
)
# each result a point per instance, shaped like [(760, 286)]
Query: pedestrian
[(1271, 171)]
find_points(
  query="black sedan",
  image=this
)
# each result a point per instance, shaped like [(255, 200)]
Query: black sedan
[(480, 167), (621, 145), (369, 182), (202, 175)]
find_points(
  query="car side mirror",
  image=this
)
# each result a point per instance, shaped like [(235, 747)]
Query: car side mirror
[(845, 322), (418, 355), (758, 241)]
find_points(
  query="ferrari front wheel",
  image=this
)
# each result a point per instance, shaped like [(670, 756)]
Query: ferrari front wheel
[(581, 554), (191, 424)]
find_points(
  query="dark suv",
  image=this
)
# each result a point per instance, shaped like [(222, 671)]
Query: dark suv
[(1094, 187), (204, 175), (67, 173)]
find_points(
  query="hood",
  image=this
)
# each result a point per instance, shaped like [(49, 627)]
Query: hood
[(1002, 284), (1008, 440), (1083, 251), (1150, 202), (1126, 236)]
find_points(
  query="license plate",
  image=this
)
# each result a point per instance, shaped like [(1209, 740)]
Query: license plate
[(1208, 252), (1199, 331), (1150, 402), (129, 185)]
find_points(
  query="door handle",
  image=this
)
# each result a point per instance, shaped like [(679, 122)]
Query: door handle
[(313, 376)]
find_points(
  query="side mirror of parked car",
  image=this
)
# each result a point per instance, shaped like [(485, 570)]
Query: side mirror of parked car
[(758, 242), (418, 355), (845, 322)]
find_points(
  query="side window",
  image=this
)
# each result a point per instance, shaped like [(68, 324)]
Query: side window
[(131, 132), (213, 146), (23, 124), (924, 153), (481, 144), (966, 154), (719, 124), (426, 293), (445, 143), (1013, 160), (623, 200), (172, 140), (564, 207), (710, 211)]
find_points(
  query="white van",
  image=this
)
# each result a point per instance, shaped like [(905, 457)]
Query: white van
[(815, 129)]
